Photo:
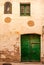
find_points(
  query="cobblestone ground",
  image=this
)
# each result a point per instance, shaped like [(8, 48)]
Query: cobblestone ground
[(1, 63)]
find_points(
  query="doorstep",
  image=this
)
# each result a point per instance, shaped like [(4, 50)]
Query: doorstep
[(22, 63)]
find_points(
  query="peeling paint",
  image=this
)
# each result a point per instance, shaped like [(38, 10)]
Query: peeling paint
[(9, 47)]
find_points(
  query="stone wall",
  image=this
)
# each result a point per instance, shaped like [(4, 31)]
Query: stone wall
[(10, 47)]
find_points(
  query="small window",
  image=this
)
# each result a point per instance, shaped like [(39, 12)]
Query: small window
[(25, 9), (7, 8)]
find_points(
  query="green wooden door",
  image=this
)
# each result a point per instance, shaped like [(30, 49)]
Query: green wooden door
[(35, 52), (30, 48), (25, 47), (35, 42)]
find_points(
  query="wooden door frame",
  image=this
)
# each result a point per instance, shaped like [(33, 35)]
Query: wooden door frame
[(40, 45)]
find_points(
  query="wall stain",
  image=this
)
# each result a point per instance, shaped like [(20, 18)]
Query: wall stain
[(9, 47)]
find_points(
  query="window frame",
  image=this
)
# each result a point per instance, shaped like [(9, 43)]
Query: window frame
[(25, 5), (6, 5)]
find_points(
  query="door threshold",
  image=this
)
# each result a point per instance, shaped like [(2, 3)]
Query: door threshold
[(32, 62)]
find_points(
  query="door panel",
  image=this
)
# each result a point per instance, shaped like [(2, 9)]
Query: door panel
[(35, 43), (30, 48), (34, 38), (25, 47), (35, 52)]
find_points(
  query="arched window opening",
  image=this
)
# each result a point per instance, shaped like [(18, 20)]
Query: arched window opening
[(7, 8)]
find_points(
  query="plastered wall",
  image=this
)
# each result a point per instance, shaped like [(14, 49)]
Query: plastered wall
[(10, 32)]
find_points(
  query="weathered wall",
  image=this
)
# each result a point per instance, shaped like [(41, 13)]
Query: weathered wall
[(18, 24), (42, 37), (10, 47)]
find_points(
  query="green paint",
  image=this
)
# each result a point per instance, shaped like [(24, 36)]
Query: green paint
[(30, 48), (25, 9)]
